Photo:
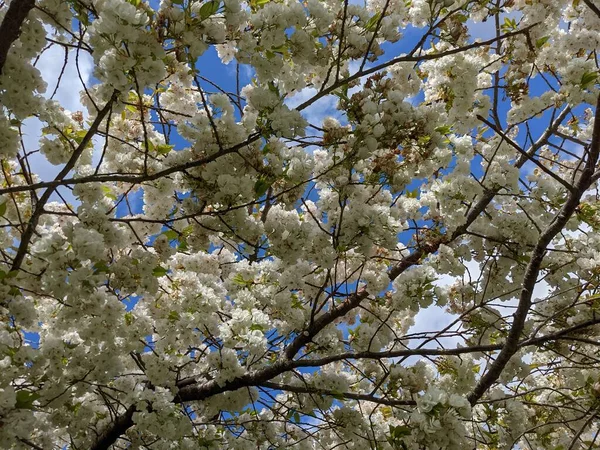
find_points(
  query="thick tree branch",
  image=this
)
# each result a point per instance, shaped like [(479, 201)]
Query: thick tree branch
[(593, 7), (10, 29), (121, 424), (190, 390), (355, 299), (533, 268)]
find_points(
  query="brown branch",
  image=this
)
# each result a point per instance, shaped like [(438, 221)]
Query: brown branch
[(190, 390), (133, 178), (355, 299), (31, 444), (322, 321), (526, 155), (409, 58), (141, 178), (592, 7), (11, 26), (533, 268), (347, 395), (117, 429), (39, 209)]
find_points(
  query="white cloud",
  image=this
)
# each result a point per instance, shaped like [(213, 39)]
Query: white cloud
[(319, 110), (435, 318)]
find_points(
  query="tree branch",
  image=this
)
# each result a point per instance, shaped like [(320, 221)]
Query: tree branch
[(39, 209), (511, 345), (348, 395), (11, 26)]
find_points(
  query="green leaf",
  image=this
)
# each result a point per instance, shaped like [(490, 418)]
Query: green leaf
[(160, 271), (75, 408), (14, 291), (171, 235), (128, 318), (71, 346), (338, 396), (177, 2), (183, 245), (12, 274), (257, 327), (108, 192), (131, 108), (444, 129), (399, 431), (261, 186), (25, 399), (163, 149), (78, 135), (2, 208), (372, 22), (509, 23), (208, 9), (257, 4), (173, 316), (101, 267), (240, 281), (424, 140), (541, 41), (187, 230), (461, 18), (588, 78), (273, 88), (282, 49), (296, 303)]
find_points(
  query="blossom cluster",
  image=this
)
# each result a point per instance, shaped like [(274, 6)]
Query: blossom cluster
[(415, 266)]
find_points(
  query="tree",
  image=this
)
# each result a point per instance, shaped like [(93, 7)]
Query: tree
[(369, 226)]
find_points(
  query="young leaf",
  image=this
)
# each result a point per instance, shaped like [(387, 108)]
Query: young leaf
[(163, 149), (25, 399), (160, 271), (588, 78), (261, 186), (208, 9), (541, 41), (372, 22), (171, 235)]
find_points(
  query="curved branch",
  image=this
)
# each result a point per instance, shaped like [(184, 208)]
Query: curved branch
[(141, 178), (39, 209), (533, 268), (11, 26), (190, 390)]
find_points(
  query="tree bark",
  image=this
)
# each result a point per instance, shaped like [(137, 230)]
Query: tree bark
[(10, 29)]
